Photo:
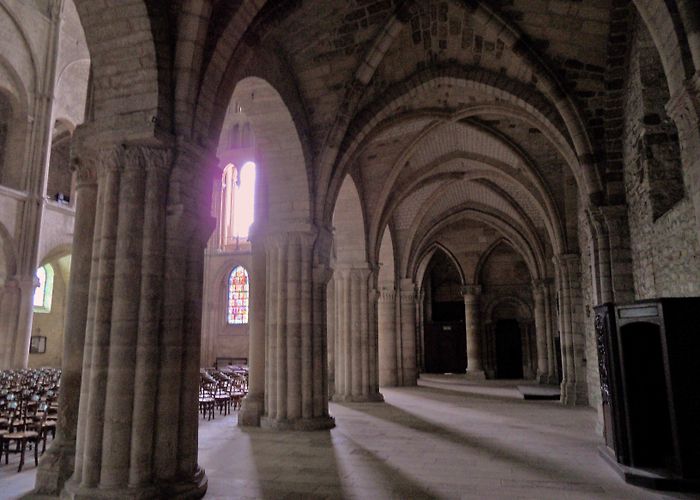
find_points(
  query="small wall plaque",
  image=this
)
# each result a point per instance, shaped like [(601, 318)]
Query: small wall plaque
[(37, 344)]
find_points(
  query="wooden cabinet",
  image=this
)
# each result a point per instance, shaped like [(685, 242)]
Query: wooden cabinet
[(649, 362)]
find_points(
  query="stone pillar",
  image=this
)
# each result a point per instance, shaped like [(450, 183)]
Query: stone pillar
[(552, 375), (388, 369), (475, 368), (409, 374), (32, 211), (355, 337), (295, 379), (612, 256), (540, 332), (58, 463), (254, 402), (573, 388), (137, 421), (10, 296), (420, 329), (331, 328)]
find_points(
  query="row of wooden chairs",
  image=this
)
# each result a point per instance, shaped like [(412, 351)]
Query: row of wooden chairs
[(28, 411), (221, 390)]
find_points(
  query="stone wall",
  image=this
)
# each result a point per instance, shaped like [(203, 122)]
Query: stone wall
[(50, 325), (588, 301), (219, 338), (662, 223)]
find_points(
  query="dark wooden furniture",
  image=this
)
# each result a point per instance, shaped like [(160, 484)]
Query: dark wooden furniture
[(610, 383), (649, 353)]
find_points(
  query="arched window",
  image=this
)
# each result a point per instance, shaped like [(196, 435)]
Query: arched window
[(237, 203), (44, 290), (238, 294), (244, 206)]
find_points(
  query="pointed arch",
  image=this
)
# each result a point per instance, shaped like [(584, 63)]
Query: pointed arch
[(427, 256), (387, 261), (349, 234)]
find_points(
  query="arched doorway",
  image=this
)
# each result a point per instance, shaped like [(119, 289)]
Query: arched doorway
[(445, 334)]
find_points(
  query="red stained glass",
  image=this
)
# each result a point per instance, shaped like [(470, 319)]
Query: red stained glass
[(238, 293)]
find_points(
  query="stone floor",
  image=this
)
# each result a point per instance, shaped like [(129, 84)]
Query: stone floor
[(448, 438)]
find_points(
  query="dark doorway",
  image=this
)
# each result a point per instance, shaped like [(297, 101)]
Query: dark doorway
[(445, 347), (509, 350), (644, 384)]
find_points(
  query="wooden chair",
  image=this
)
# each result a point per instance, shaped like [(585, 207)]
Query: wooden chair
[(21, 435)]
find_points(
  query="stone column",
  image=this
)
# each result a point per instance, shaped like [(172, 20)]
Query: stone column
[(388, 370), (10, 296), (552, 376), (475, 368), (355, 337), (58, 463), (254, 402), (296, 369), (32, 211), (420, 329), (572, 388), (540, 332), (137, 421), (409, 375), (330, 328)]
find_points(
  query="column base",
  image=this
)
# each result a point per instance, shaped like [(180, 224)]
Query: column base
[(193, 488), (56, 467), (363, 398), (568, 393), (476, 375), (251, 411), (300, 424)]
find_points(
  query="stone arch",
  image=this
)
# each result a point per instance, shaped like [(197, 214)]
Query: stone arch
[(506, 216), (386, 260), (282, 175), (484, 257), (514, 41), (519, 102), (135, 97), (524, 309), (60, 173), (349, 240), (669, 37), (55, 253), (452, 166), (532, 256), (14, 125), (426, 257), (72, 82)]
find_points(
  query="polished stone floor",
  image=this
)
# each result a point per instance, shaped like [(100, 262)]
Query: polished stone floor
[(447, 438)]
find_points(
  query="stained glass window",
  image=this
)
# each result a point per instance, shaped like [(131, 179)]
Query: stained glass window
[(44, 289), (238, 296)]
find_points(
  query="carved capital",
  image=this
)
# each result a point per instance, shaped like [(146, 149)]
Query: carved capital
[(85, 168), (387, 295), (471, 290)]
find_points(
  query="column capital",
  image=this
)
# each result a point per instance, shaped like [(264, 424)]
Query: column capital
[(407, 290), (387, 295), (473, 290), (538, 286)]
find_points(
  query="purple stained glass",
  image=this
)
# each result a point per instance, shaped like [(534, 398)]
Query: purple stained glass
[(238, 296)]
